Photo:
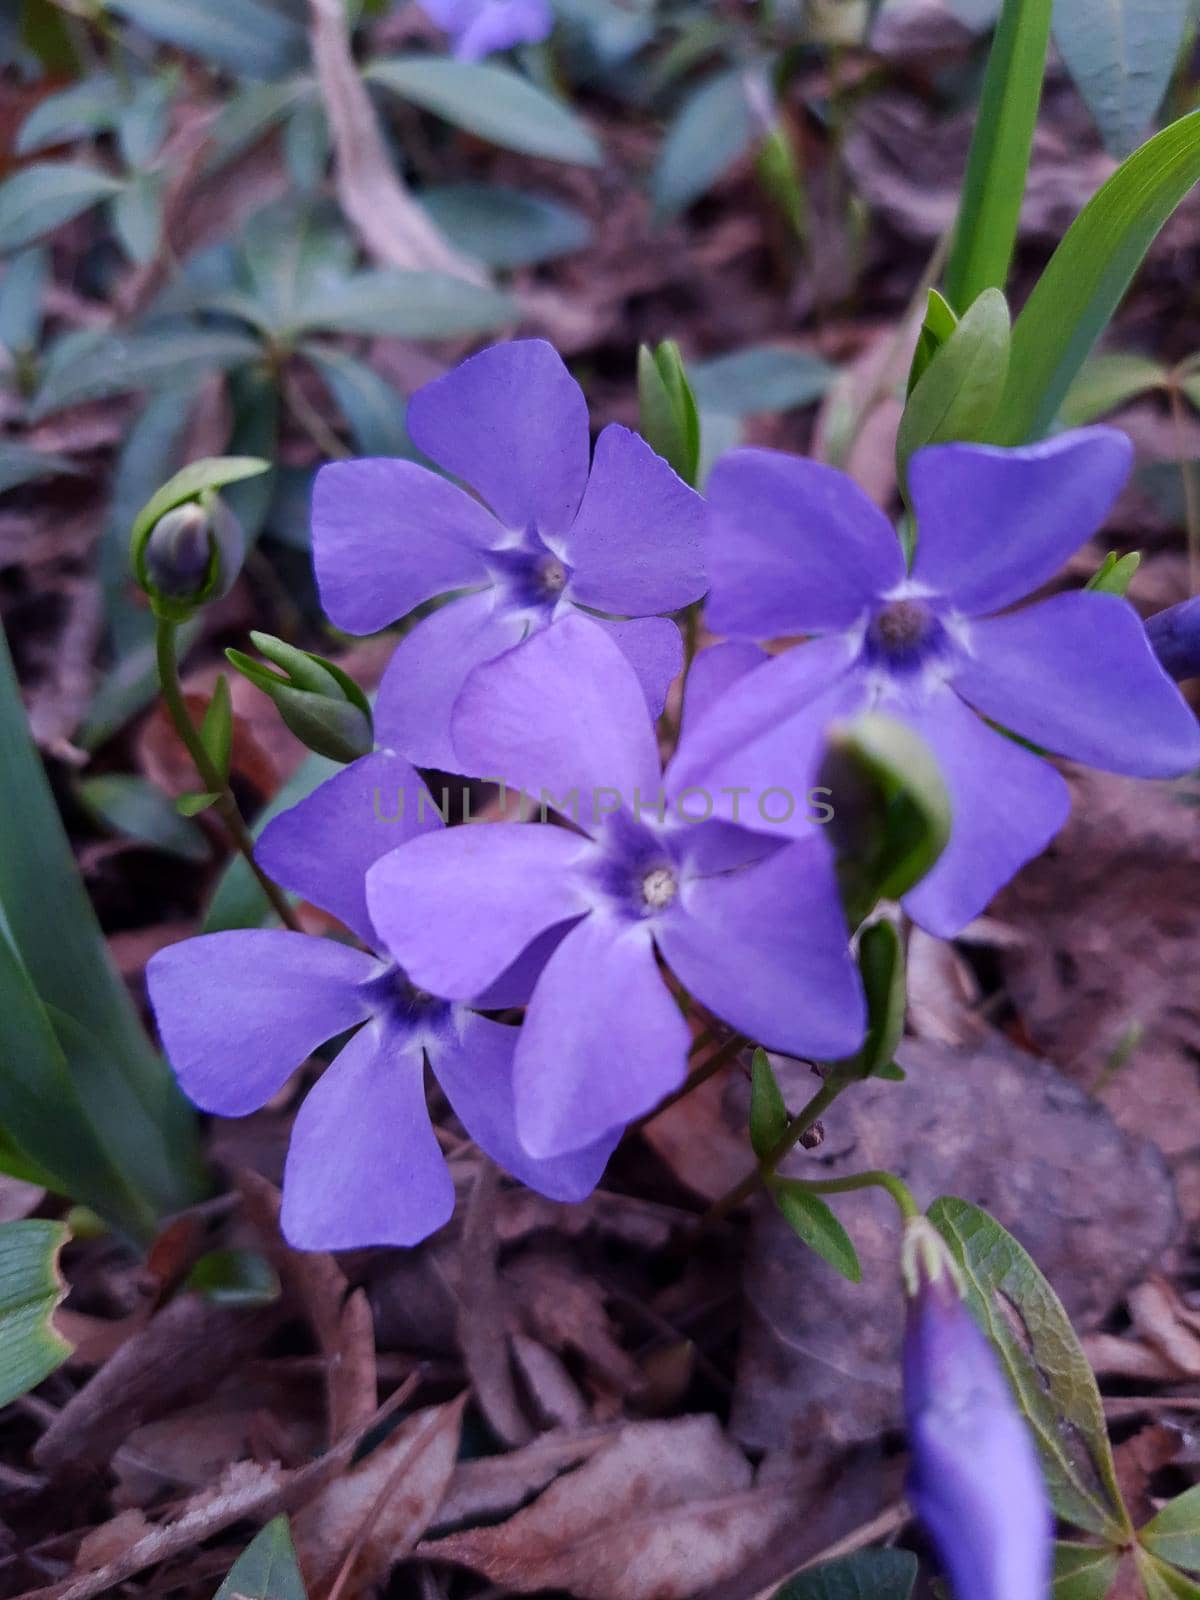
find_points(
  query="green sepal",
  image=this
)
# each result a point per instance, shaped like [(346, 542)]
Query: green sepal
[(194, 485), (319, 702), (881, 963), (780, 176), (1115, 573), (669, 420), (216, 731)]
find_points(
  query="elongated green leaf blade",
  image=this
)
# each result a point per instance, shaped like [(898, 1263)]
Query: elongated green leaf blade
[(491, 101), (1087, 276), (986, 230), (20, 463), (253, 40), (407, 305), (266, 1569), (1121, 54), (40, 198), (135, 808), (761, 378), (1083, 1571), (712, 128), (89, 106), (30, 1289), (1107, 381), (374, 411), (865, 1575), (1174, 1534), (812, 1220), (768, 1110), (505, 227), (118, 363), (1045, 1365)]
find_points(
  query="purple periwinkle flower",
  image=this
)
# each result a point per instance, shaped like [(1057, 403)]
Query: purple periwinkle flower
[(974, 1479), (794, 547), (752, 927), (622, 538), (481, 27), (1175, 636), (239, 1011)]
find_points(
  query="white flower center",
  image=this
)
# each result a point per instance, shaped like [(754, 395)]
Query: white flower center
[(659, 888)]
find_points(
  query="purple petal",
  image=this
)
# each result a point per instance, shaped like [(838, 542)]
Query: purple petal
[(426, 674), (757, 750), (322, 847), (511, 422), (476, 1072), (238, 1012), (712, 672), (603, 1041), (456, 908), (563, 712), (515, 985), (389, 535), (654, 648), (1007, 805), (364, 1166), (792, 547), (1174, 635), (766, 949), (501, 24), (993, 524), (634, 548), (1076, 675)]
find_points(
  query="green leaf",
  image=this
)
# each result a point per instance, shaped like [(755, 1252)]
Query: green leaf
[(84, 108), (136, 808), (1087, 276), (1083, 1571), (21, 290), (189, 483), (238, 901), (1163, 1582), (892, 814), (505, 227), (137, 215), (1174, 1534), (191, 805), (986, 230), (1115, 573), (31, 1287), (252, 40), (291, 252), (1121, 54), (881, 963), (712, 128), (252, 111), (768, 1110), (266, 1569), (779, 173), (67, 965), (234, 1278), (491, 101), (940, 322), (865, 1575), (1106, 381), (668, 419), (117, 363), (20, 463), (374, 411), (216, 731), (959, 391), (40, 198), (761, 378), (811, 1220), (405, 305), (1044, 1363)]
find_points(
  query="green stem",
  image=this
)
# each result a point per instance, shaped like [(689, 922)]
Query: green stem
[(874, 1179), (214, 783), (788, 1139)]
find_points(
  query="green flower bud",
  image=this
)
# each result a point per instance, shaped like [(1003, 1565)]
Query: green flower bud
[(319, 703), (670, 423)]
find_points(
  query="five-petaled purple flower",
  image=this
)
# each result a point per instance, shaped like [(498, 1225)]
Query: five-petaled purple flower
[(238, 1012), (753, 928), (794, 547), (481, 27), (623, 540), (974, 1479)]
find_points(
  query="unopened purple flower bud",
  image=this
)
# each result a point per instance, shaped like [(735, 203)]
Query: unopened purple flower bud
[(974, 1482), (190, 556), (1175, 636)]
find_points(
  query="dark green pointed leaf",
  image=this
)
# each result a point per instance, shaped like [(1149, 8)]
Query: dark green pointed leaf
[(21, 291), (986, 230), (374, 412), (881, 963), (406, 305), (1106, 381), (505, 227), (118, 363), (768, 1110), (940, 322), (491, 101), (1087, 276), (959, 391), (668, 419), (712, 128), (1174, 1534), (251, 39), (266, 1569), (40, 198), (31, 1287), (865, 1575), (1083, 1571), (20, 463), (1121, 54), (1160, 1581), (761, 378), (216, 731), (137, 214), (84, 108), (136, 808), (1047, 1368), (811, 1220), (191, 805)]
